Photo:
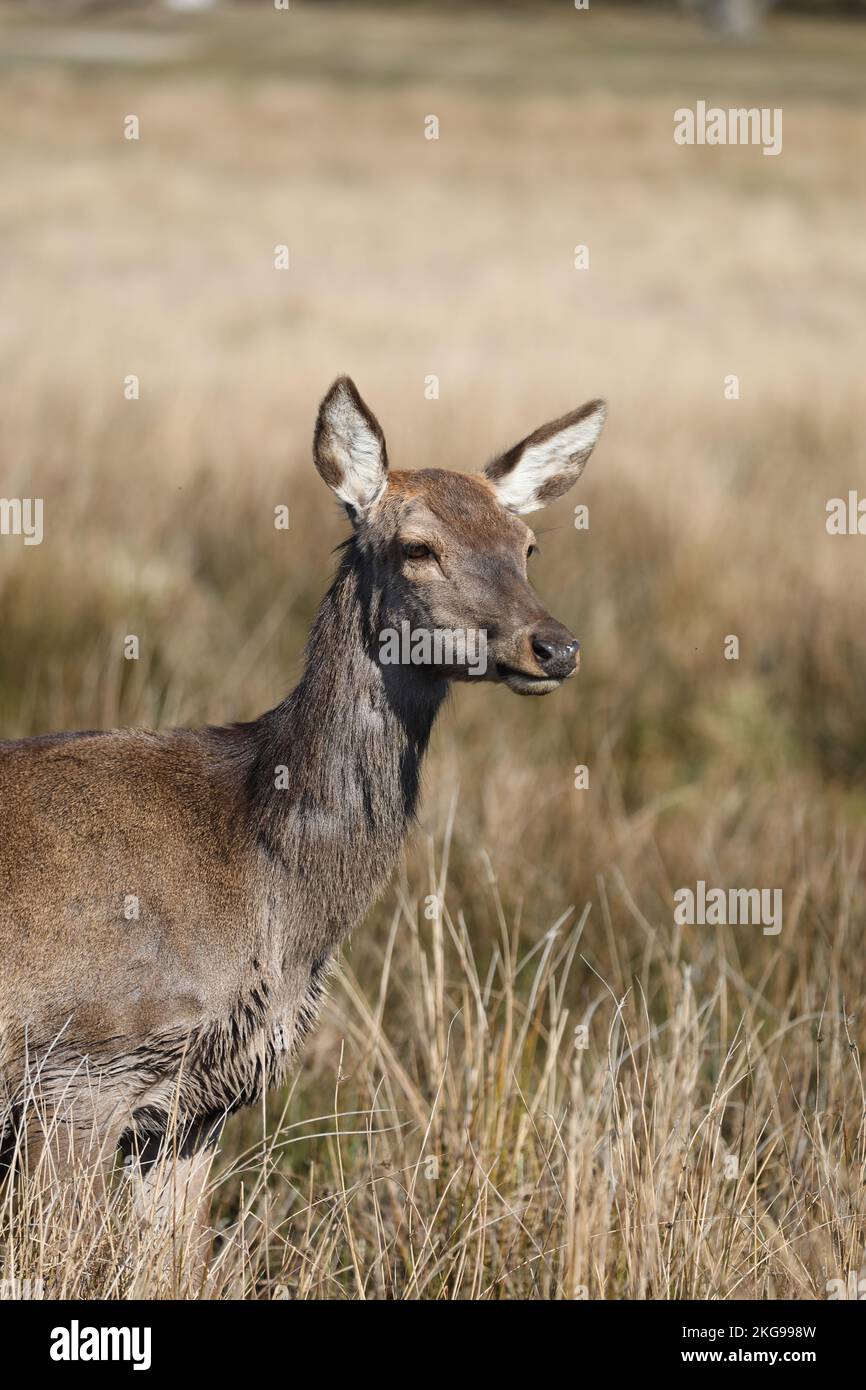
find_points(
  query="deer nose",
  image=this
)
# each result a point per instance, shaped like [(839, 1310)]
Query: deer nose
[(555, 650)]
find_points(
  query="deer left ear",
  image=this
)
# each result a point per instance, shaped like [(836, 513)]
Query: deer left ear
[(545, 464), (349, 448)]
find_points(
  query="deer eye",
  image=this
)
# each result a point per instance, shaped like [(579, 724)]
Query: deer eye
[(533, 549), (416, 551)]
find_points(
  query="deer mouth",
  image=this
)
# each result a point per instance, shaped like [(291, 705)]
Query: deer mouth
[(522, 683)]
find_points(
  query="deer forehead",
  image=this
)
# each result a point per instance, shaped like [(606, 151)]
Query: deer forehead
[(463, 506)]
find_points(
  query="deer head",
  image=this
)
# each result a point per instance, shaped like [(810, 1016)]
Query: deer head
[(447, 552)]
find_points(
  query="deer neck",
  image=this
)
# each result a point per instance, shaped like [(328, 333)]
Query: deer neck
[(339, 761)]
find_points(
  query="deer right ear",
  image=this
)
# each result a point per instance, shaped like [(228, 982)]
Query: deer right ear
[(349, 448), (545, 464)]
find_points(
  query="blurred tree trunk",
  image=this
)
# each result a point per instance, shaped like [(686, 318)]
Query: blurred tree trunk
[(738, 18)]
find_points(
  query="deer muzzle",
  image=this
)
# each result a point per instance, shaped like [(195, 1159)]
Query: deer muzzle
[(539, 658)]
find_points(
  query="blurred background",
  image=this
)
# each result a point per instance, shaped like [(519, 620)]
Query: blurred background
[(455, 258)]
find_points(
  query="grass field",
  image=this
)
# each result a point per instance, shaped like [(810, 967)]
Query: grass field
[(450, 1134)]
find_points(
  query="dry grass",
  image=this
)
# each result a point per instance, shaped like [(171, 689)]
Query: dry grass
[(445, 1137)]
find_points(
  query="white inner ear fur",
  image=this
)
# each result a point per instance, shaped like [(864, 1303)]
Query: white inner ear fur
[(563, 454), (357, 452)]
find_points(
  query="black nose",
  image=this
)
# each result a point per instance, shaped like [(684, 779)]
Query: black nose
[(555, 650)]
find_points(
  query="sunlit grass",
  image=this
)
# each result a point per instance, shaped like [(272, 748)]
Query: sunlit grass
[(471, 1134)]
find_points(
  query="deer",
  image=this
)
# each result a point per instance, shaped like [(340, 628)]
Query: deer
[(250, 852)]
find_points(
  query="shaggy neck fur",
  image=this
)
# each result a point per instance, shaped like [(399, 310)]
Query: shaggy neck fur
[(351, 738)]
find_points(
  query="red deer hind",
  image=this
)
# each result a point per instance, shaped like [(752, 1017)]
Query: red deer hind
[(253, 850)]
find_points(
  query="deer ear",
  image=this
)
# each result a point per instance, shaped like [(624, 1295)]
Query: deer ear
[(349, 447), (545, 464)]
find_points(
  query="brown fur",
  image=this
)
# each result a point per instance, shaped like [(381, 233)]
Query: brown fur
[(244, 890)]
